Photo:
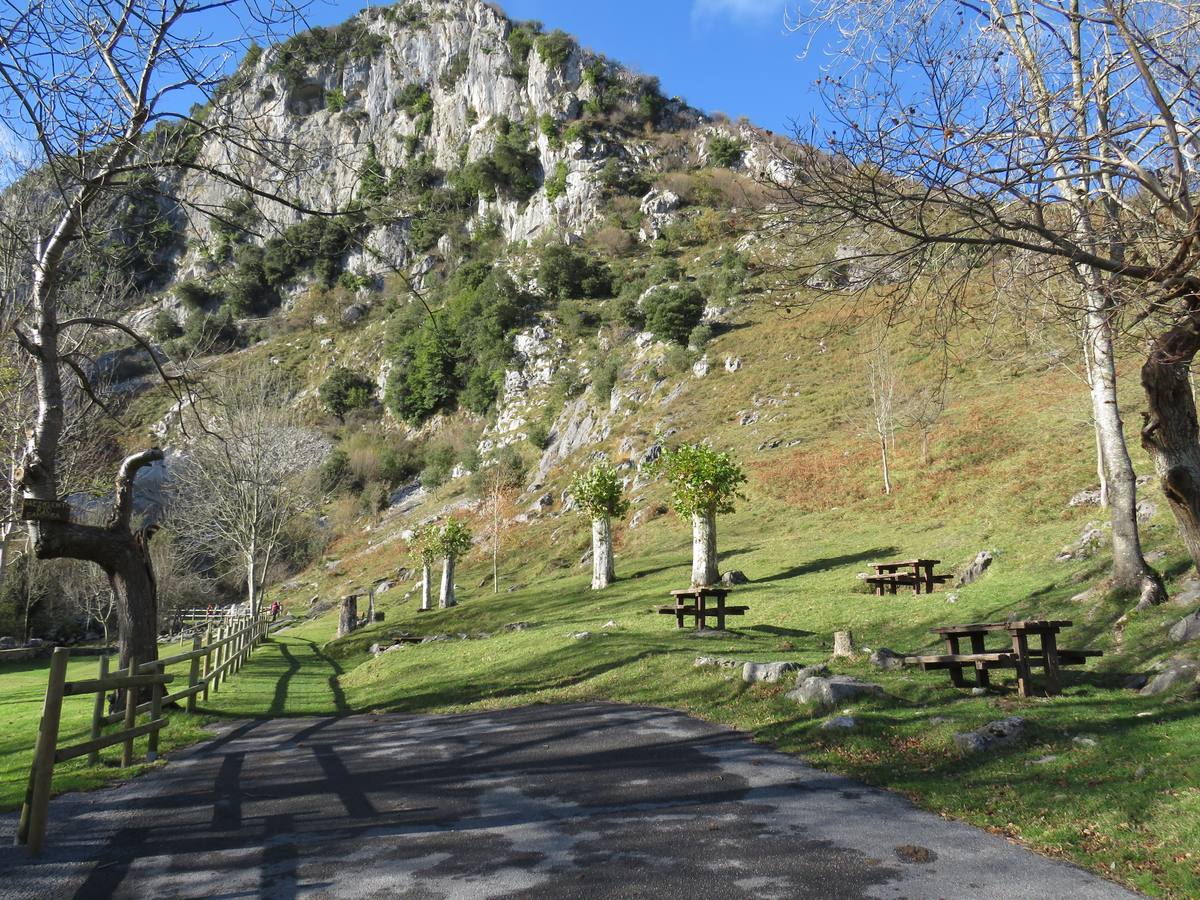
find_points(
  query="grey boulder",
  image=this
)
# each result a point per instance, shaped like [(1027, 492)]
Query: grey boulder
[(826, 692), (1186, 629), (1178, 672), (768, 672)]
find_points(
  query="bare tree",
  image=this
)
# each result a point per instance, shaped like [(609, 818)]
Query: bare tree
[(1059, 140), (883, 381), (90, 88), (89, 593), (246, 480), (923, 408), (496, 484)]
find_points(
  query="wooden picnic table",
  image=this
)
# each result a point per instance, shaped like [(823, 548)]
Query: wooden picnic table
[(888, 575), (1020, 657), (693, 601)]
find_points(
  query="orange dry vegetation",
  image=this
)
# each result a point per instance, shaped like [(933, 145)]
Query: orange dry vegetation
[(817, 479)]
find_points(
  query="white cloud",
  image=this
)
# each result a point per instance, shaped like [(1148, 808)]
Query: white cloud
[(741, 10)]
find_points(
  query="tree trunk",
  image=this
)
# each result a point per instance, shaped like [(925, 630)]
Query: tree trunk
[(602, 554), (251, 582), (1130, 570), (426, 592), (122, 555), (447, 600), (704, 549), (883, 455), (1170, 432), (348, 615), (1100, 473)]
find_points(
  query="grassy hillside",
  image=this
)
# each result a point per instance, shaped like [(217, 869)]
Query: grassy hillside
[(1010, 454)]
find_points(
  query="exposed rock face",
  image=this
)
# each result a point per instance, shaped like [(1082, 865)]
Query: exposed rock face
[(992, 736), (659, 208)]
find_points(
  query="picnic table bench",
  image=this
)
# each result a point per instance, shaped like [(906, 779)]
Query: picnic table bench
[(1021, 657), (693, 601), (888, 576)]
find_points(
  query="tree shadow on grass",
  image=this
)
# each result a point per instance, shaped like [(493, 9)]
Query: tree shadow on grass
[(781, 632), (827, 563), (279, 701)]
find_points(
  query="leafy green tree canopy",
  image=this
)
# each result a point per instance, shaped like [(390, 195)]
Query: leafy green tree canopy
[(702, 480), (453, 539), (599, 491)]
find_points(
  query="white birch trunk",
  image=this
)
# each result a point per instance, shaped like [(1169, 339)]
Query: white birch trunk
[(602, 554), (1130, 569), (704, 549), (447, 600), (426, 591)]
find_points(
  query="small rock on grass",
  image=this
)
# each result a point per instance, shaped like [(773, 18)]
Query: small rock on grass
[(1083, 740), (993, 735), (839, 723), (883, 658)]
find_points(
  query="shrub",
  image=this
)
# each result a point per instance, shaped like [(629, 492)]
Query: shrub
[(556, 185), (651, 104), (399, 461), (549, 127), (335, 100), (439, 462), (538, 434), (627, 311), (724, 151), (344, 391), (555, 48), (512, 169), (678, 359), (455, 69), (164, 328), (672, 312), (324, 46), (619, 181), (604, 379), (318, 244), (520, 42), (211, 334), (565, 272), (374, 498), (700, 337), (194, 295), (414, 99)]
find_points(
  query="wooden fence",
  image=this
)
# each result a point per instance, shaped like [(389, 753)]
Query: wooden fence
[(214, 657)]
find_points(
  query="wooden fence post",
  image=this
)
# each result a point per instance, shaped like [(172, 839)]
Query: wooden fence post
[(156, 692), (207, 660), (194, 673), (130, 715), (31, 829), (98, 712)]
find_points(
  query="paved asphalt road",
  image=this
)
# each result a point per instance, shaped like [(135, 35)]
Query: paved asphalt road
[(589, 800)]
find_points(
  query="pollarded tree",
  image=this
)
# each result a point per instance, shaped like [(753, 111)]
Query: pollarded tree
[(453, 540), (424, 544), (704, 482), (599, 493)]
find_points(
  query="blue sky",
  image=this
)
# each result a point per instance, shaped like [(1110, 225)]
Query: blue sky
[(732, 56)]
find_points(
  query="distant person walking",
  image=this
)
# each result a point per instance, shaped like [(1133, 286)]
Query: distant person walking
[(274, 610)]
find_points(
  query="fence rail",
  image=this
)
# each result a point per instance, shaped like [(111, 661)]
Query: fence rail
[(214, 658)]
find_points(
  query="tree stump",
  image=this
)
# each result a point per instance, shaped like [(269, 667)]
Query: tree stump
[(348, 620), (843, 643)]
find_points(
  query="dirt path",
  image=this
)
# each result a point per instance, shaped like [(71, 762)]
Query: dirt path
[(591, 800)]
